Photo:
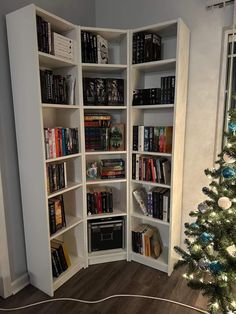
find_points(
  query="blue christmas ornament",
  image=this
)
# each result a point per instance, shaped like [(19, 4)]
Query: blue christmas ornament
[(228, 173), (206, 238), (215, 267), (194, 225), (232, 126)]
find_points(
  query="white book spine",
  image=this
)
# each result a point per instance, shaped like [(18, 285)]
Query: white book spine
[(65, 174), (141, 138), (137, 167), (49, 38), (62, 38), (165, 208), (63, 49), (63, 55)]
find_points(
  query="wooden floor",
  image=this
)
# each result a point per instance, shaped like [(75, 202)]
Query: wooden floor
[(102, 280)]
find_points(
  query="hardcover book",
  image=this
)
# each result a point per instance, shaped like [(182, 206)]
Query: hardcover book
[(102, 50), (117, 137)]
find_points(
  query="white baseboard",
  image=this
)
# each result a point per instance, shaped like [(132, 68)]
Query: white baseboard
[(20, 283)]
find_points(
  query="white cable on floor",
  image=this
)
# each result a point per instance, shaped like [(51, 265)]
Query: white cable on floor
[(102, 300)]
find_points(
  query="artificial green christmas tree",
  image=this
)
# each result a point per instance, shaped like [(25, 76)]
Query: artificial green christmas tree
[(210, 255)]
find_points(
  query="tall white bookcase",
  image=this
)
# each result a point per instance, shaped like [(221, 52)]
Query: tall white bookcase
[(32, 116)]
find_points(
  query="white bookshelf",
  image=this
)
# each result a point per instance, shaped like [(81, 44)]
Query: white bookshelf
[(175, 46), (32, 116)]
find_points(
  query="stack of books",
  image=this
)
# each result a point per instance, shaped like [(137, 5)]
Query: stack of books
[(56, 177), (152, 139), (103, 92), (94, 48), (112, 168), (99, 200), (146, 47), (60, 257), (154, 203), (97, 131), (62, 46), (57, 219), (156, 96), (44, 35), (146, 240), (61, 142), (57, 89), (151, 169)]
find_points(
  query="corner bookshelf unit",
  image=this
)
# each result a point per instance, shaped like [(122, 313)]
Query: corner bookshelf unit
[(34, 117)]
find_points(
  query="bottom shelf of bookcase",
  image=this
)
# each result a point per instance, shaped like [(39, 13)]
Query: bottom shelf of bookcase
[(77, 263), (107, 256), (161, 263)]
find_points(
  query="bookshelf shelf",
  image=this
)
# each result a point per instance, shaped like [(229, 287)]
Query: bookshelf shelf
[(103, 68), (47, 60), (115, 213), (34, 117), (67, 157), (150, 219), (105, 107), (158, 107), (103, 181), (162, 65), (71, 222), (106, 153), (160, 263), (57, 106), (152, 153), (70, 186), (151, 184)]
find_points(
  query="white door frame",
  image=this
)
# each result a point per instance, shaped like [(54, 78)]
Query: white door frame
[(5, 275)]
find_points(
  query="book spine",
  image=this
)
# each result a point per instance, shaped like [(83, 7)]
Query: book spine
[(141, 138)]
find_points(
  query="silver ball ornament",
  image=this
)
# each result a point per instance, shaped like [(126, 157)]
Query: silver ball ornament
[(228, 159)]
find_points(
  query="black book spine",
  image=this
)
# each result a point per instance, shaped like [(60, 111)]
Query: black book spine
[(134, 61), (95, 49), (135, 137), (89, 212), (57, 260), (52, 218), (55, 271), (62, 258), (151, 136), (110, 202)]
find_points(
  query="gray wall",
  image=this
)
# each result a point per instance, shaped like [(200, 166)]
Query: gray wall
[(204, 68), (79, 12)]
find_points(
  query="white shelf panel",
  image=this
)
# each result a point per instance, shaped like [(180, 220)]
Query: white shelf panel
[(104, 68), (103, 181), (162, 106), (70, 186), (105, 107), (58, 106), (106, 256), (152, 184), (62, 158), (154, 66), (152, 153), (106, 152), (161, 263), (150, 219), (115, 213), (71, 222), (77, 263), (53, 62)]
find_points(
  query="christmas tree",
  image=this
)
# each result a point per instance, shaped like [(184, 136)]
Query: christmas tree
[(210, 253)]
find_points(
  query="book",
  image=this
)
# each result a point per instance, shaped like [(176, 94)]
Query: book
[(117, 137), (115, 92), (140, 196), (102, 50)]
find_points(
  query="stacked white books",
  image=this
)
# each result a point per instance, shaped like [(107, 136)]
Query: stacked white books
[(62, 46)]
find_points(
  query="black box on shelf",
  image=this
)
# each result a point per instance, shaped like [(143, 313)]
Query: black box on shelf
[(106, 234)]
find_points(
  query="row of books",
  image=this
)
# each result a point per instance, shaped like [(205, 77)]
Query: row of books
[(101, 91), (146, 47), (56, 210), (61, 142), (52, 42), (152, 139), (154, 203), (94, 48), (146, 240), (151, 169), (156, 96), (56, 177), (57, 89), (99, 200), (60, 257), (106, 169)]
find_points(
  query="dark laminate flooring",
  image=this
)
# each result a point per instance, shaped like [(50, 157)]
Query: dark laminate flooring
[(121, 277)]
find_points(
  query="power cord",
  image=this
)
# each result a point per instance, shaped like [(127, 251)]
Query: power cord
[(102, 300)]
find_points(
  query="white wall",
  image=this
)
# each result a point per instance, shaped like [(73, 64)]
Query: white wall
[(78, 12), (205, 56)]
